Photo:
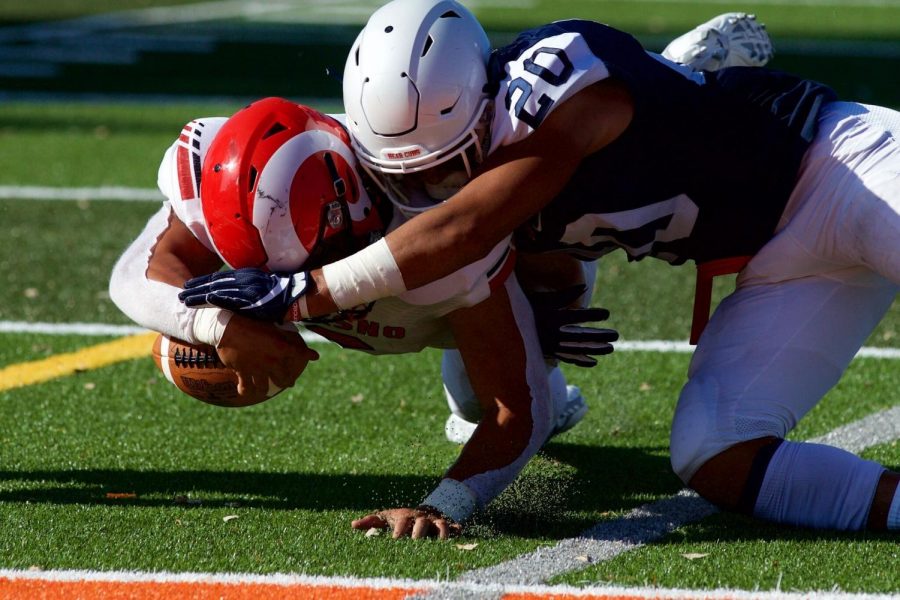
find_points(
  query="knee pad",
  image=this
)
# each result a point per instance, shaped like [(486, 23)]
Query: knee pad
[(709, 420), (692, 439)]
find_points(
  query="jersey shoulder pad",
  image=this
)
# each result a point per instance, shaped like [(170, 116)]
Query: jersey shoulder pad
[(180, 171), (544, 67)]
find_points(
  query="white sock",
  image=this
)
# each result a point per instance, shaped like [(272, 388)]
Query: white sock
[(812, 485)]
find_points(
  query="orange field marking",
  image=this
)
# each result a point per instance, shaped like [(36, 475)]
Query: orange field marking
[(130, 585), (41, 589)]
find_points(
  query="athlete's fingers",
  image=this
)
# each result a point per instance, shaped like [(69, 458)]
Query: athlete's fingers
[(369, 521), (421, 528), (401, 527), (443, 529)]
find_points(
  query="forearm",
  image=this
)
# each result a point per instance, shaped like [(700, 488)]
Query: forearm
[(149, 302), (396, 264), (421, 251), (513, 388)]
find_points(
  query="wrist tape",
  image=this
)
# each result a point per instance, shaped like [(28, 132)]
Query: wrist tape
[(364, 277), (209, 325), (453, 499)]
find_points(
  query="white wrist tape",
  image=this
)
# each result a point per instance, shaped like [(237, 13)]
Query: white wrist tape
[(453, 499), (368, 275), (209, 325)]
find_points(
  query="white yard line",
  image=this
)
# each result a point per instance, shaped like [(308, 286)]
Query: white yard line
[(69, 328), (684, 347), (99, 329), (38, 192), (665, 346)]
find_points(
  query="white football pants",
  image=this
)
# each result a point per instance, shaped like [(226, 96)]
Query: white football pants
[(808, 300)]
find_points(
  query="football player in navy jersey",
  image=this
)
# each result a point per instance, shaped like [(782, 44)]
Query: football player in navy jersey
[(578, 139)]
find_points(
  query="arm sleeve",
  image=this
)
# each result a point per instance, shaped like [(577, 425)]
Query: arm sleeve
[(151, 304)]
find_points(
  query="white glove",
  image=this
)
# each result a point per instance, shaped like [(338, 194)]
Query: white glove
[(729, 40)]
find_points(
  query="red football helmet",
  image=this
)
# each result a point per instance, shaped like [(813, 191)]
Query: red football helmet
[(280, 190)]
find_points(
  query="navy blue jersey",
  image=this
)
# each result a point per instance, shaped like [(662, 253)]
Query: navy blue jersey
[(703, 171)]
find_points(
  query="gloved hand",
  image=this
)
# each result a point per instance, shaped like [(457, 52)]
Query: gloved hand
[(250, 292), (728, 40), (560, 330)]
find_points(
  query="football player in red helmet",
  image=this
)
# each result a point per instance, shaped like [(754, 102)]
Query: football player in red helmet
[(275, 189)]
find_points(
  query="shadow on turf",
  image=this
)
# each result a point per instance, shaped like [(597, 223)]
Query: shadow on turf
[(574, 487), (285, 491), (563, 493)]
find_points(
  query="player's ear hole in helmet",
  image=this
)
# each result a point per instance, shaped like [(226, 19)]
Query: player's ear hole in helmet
[(414, 92), (280, 189)]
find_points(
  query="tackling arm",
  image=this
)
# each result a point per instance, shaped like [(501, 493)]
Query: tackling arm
[(515, 183)]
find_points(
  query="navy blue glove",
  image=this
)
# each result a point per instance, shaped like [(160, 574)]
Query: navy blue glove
[(250, 292), (560, 330)]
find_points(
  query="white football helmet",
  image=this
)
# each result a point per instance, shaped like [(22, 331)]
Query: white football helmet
[(414, 94)]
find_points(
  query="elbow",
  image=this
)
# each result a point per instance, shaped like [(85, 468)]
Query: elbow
[(128, 286), (117, 284)]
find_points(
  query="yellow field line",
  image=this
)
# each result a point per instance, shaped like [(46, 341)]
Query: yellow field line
[(60, 365)]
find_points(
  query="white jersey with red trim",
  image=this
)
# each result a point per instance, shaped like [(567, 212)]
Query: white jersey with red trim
[(407, 323), (179, 174)]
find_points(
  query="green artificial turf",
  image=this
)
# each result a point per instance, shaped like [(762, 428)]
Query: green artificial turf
[(360, 433), (357, 433)]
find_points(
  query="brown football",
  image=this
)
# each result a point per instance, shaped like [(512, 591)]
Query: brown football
[(196, 370)]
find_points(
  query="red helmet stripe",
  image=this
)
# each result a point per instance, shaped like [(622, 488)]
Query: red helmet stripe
[(185, 174)]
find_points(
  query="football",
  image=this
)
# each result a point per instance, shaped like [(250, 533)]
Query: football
[(196, 370)]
